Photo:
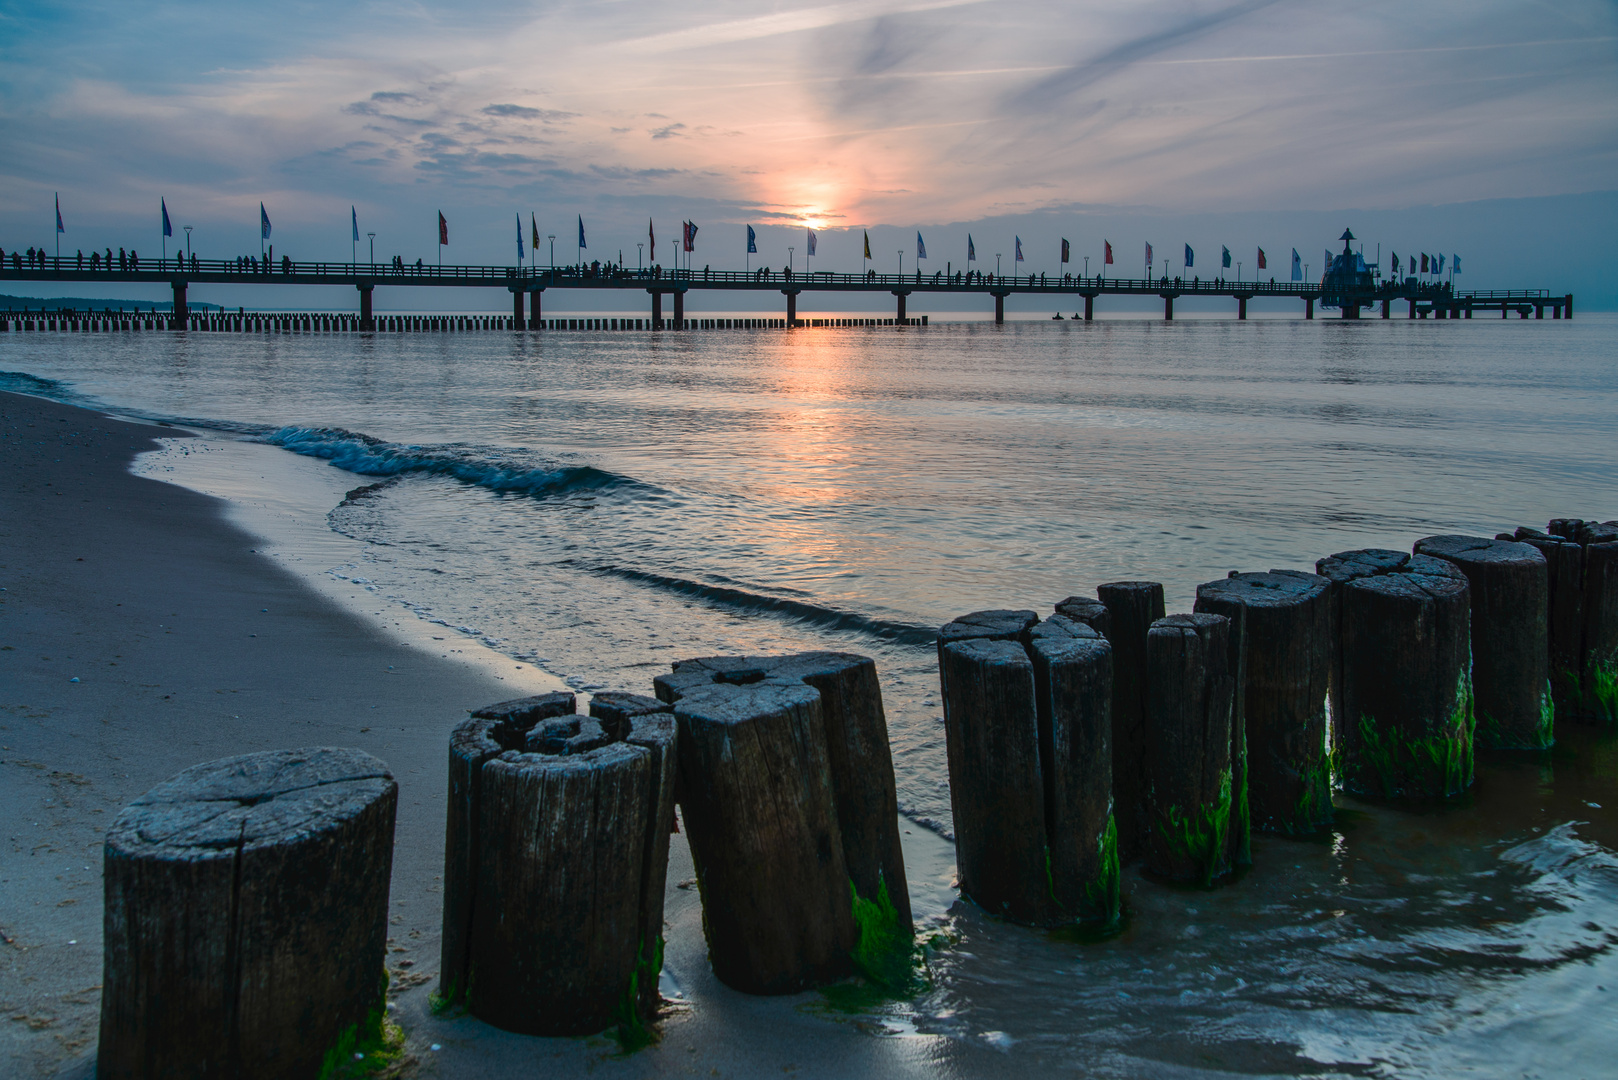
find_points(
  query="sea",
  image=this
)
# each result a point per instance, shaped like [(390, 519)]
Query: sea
[(600, 504)]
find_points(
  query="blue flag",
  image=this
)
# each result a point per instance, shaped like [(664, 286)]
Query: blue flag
[(752, 241), (811, 243), (1224, 258), (168, 230), (1190, 257), (971, 252), (59, 216), (921, 247), (1455, 264), (1019, 248), (263, 222), (1297, 266), (354, 220), (1395, 264), (1441, 264), (582, 244), (519, 238)]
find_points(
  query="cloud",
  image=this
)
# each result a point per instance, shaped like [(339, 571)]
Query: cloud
[(523, 112)]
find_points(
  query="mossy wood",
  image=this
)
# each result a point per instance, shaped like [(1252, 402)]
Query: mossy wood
[(245, 917), (1027, 716), (1189, 701), (1402, 689), (568, 818), (1509, 597), (1283, 621), (1132, 607), (857, 749), (1582, 563), (760, 814)]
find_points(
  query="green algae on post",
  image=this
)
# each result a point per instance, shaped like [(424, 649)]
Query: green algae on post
[(1199, 837), (1104, 896), (1393, 765), (370, 1048), (632, 1031)]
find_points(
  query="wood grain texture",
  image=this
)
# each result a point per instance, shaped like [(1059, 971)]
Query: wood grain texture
[(1190, 693), (761, 819), (1510, 596), (1132, 606), (1402, 707), (246, 915), (1285, 626)]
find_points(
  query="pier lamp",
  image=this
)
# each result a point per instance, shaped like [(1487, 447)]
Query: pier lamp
[(372, 237), (791, 252), (187, 242), (901, 262), (639, 259), (997, 264), (552, 239)]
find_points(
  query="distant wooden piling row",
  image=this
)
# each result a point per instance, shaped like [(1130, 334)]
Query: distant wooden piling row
[(310, 323)]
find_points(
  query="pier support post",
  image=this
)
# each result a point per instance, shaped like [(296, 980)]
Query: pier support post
[(1089, 307), (679, 309), (999, 308), (519, 317), (1168, 307), (533, 309), (1412, 307), (366, 320), (1241, 308), (1386, 304), (901, 312), (1567, 305), (1308, 307), (1351, 310), (657, 309), (792, 307), (181, 311)]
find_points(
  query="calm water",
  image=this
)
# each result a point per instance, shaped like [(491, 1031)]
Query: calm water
[(602, 504)]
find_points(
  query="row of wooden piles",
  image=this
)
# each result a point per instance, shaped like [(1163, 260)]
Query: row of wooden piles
[(246, 899), (1110, 731)]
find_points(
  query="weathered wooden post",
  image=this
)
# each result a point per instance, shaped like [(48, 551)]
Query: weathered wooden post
[(857, 747), (1133, 606), (1582, 561), (1027, 717), (1509, 589), (1189, 698), (1284, 620), (756, 797), (245, 922), (562, 927), (1402, 690)]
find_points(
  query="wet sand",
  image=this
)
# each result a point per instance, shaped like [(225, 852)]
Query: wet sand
[(188, 644)]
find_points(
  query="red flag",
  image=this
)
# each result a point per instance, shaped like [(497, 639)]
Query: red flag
[(1108, 244), (690, 236), (443, 229), (1263, 264)]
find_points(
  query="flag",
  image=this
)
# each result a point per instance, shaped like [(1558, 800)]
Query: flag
[(264, 222), (651, 238), (1019, 248), (1424, 262), (1190, 257), (354, 220), (1224, 256), (168, 230), (519, 238), (811, 243), (752, 241), (867, 245), (1263, 263), (59, 227), (690, 236), (1327, 263), (443, 230), (1455, 264), (971, 251), (582, 244), (1297, 266), (921, 247), (1066, 251), (1148, 258), (533, 227), (1395, 264), (1440, 264), (1108, 245)]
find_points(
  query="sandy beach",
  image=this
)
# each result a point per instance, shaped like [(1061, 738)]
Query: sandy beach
[(141, 632)]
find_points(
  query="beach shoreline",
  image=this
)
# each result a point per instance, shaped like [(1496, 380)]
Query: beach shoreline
[(144, 630)]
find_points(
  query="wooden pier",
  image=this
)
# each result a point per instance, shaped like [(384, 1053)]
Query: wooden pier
[(528, 285)]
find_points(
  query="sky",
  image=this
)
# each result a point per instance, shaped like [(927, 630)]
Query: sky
[(1248, 123)]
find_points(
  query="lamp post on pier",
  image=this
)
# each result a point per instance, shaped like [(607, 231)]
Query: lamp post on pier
[(791, 258), (552, 239), (187, 243), (372, 237), (640, 250)]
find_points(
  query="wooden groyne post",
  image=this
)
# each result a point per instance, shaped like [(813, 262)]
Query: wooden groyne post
[(1582, 564), (1283, 621), (1401, 689), (1132, 608), (558, 912), (245, 924), (1509, 595)]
